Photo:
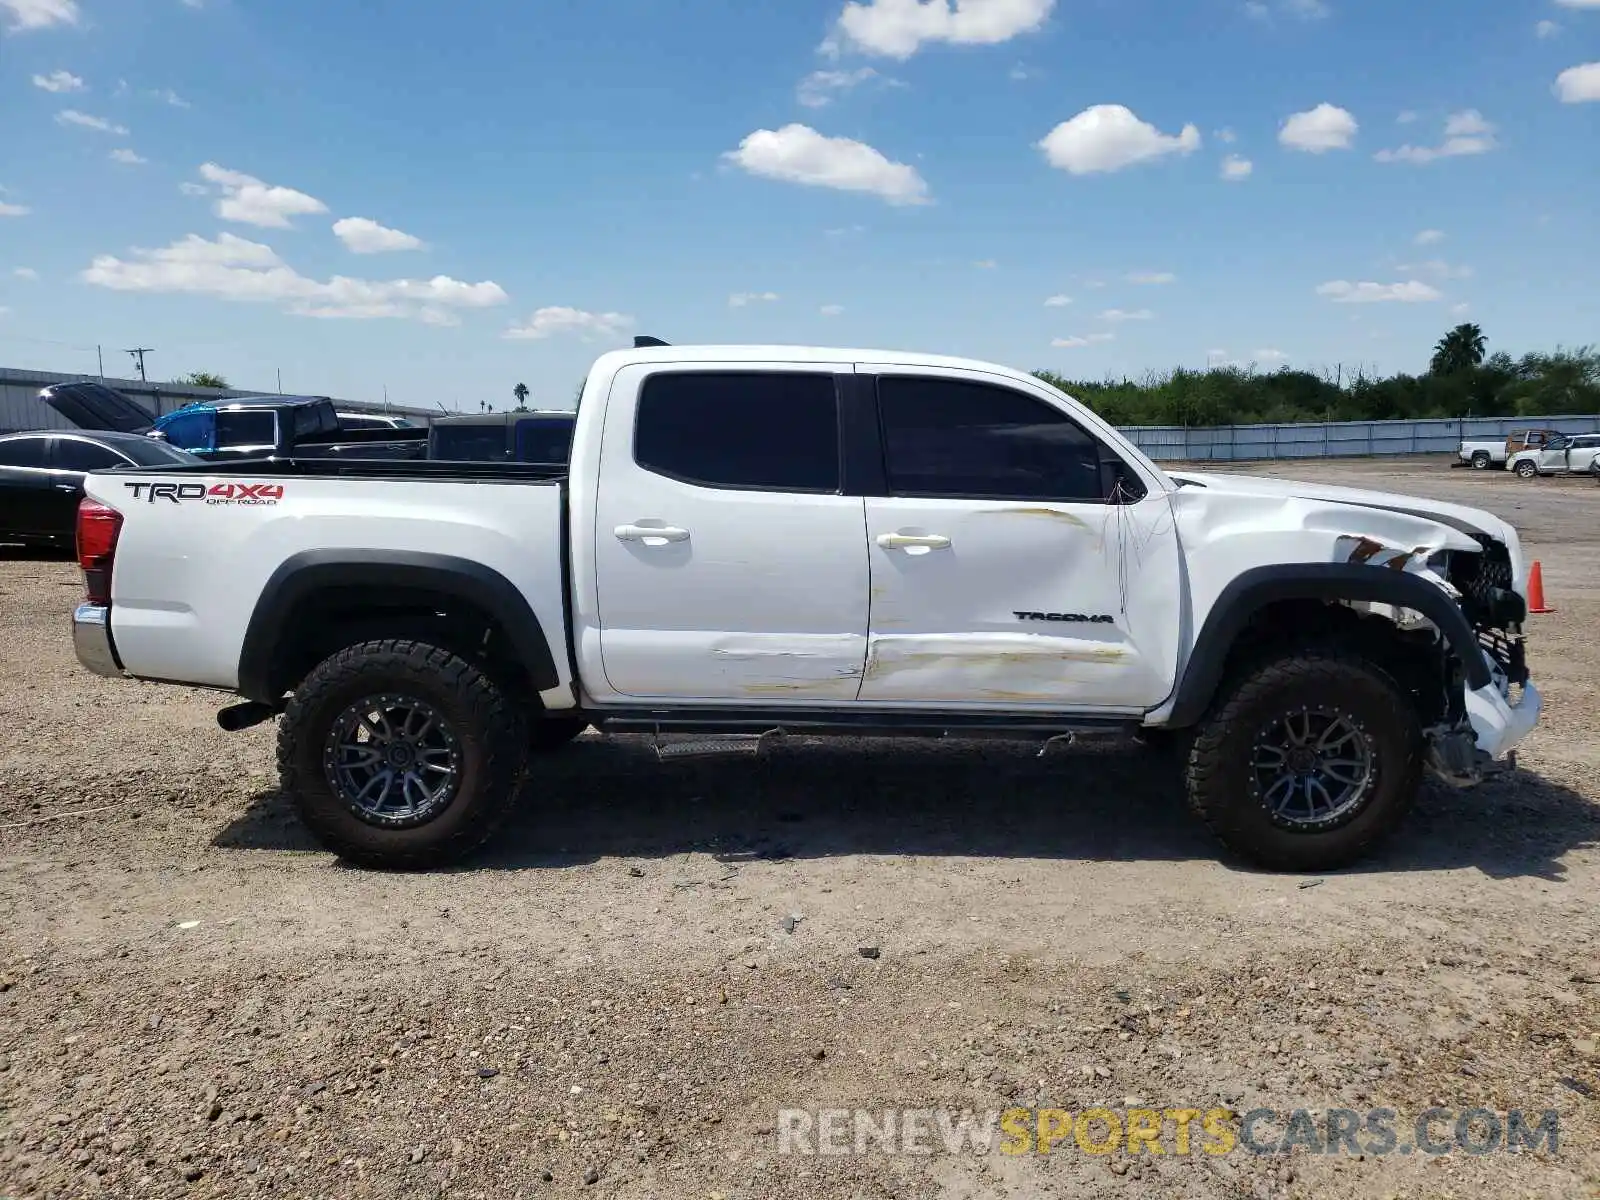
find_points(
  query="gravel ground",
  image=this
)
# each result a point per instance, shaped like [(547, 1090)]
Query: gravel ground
[(617, 1001)]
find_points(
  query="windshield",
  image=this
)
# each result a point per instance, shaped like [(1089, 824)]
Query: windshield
[(147, 452)]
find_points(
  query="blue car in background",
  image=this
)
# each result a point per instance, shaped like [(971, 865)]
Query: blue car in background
[(259, 426)]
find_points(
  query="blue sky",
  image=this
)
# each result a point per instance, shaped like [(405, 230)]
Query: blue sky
[(446, 199)]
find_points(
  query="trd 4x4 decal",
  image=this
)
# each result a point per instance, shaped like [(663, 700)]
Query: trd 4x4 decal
[(216, 493)]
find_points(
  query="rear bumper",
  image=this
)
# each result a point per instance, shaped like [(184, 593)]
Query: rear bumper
[(91, 639)]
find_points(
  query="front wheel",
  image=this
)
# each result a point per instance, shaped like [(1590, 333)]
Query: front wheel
[(1481, 460), (1527, 470), (1307, 762), (400, 754)]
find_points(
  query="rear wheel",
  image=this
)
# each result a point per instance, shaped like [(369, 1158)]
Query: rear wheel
[(400, 754), (1481, 460), (1306, 762), (1526, 469)]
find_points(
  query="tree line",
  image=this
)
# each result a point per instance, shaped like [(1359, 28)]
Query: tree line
[(1463, 380)]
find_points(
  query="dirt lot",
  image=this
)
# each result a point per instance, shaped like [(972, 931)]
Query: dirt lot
[(196, 1001)]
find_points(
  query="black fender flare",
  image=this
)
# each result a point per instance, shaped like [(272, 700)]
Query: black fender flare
[(303, 575), (1254, 589)]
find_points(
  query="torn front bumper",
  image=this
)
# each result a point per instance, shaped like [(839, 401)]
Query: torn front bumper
[(1486, 745)]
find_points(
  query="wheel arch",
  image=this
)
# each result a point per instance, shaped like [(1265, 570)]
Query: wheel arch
[(1262, 588), (314, 594)]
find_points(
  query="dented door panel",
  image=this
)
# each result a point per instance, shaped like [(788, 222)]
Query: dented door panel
[(1063, 605)]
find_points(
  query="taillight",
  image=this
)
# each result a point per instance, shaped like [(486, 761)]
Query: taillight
[(98, 527)]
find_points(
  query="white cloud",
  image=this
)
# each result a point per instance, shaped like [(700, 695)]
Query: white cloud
[(1091, 339), (13, 210), (168, 96), (831, 310), (1109, 137), (245, 199), (1118, 314), (1465, 133), (1460, 310), (194, 189), (1579, 3), (1342, 291), (1152, 277), (39, 14), (1429, 237), (1270, 356), (233, 268), (58, 81), (26, 273), (1236, 168), (799, 154), (1227, 136), (1019, 73), (549, 322), (742, 299), (1546, 29), (899, 28), (1325, 127), (1578, 84), (1409, 116), (363, 236), (986, 264), (1305, 10), (128, 157), (1057, 301), (71, 116), (818, 89)]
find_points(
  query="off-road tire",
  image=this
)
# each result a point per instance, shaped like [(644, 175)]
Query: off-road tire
[(552, 733), (489, 729), (1481, 460), (1221, 785)]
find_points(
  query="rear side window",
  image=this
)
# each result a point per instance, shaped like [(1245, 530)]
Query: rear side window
[(766, 430), (544, 441), (23, 452), (948, 437), (73, 455), (469, 443), (246, 428)]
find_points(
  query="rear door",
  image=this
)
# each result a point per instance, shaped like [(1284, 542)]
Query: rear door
[(1016, 562), (25, 485), (70, 459), (730, 566)]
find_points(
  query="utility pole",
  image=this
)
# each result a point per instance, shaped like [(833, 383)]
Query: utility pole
[(139, 352), (280, 381), (101, 359)]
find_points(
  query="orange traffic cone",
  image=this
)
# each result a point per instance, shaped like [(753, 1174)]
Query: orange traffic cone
[(1536, 590)]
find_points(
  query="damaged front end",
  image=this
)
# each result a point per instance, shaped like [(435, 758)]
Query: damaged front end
[(1479, 728)]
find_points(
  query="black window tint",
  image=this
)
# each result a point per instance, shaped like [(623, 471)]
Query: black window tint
[(769, 430), (944, 437), (544, 441), (73, 455), (469, 443), (22, 452), (245, 428)]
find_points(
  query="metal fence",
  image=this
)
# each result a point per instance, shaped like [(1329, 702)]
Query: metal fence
[(1333, 439)]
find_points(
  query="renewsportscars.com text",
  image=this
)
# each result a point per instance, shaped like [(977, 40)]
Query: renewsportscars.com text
[(1100, 1131)]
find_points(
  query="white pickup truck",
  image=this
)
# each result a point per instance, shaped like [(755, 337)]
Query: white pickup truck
[(753, 541)]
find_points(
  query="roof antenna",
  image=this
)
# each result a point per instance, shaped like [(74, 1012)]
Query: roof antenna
[(642, 340)]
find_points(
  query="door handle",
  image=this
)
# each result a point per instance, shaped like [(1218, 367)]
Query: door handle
[(651, 535), (66, 487), (908, 541)]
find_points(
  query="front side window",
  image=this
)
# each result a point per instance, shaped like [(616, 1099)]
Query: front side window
[(192, 431), (75, 455), (954, 438), (767, 430), (246, 428)]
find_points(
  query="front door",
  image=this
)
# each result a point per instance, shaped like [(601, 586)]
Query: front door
[(729, 566), (1013, 563)]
